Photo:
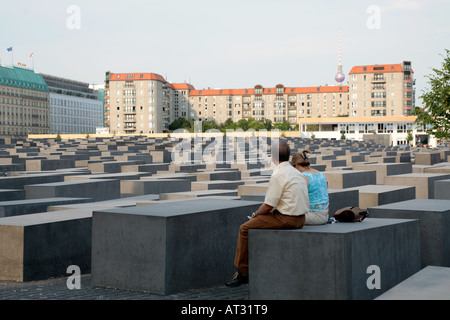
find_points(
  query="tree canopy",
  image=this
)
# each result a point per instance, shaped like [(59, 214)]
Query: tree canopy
[(436, 101), (179, 123), (243, 124)]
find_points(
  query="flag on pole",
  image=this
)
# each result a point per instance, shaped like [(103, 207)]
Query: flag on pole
[(9, 49)]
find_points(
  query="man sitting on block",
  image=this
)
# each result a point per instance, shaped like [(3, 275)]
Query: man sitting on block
[(285, 205)]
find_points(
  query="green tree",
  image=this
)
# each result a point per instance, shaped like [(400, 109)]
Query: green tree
[(208, 125), (268, 124), (243, 124), (228, 124), (255, 124), (179, 123), (436, 101), (409, 137), (282, 126)]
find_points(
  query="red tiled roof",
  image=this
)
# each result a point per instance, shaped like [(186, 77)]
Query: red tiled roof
[(377, 68), (136, 76), (287, 90), (316, 89), (224, 92), (183, 86)]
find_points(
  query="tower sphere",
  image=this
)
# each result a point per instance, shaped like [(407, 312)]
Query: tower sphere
[(340, 77)]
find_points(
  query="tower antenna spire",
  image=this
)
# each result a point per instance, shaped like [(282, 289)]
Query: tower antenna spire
[(340, 48), (340, 77)]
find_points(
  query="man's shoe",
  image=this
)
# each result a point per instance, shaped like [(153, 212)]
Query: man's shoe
[(237, 280)]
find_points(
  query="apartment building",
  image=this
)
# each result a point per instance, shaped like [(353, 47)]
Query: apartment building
[(277, 103), (381, 90), (24, 102), (143, 102), (75, 107)]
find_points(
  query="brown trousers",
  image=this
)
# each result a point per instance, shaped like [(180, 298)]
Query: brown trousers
[(268, 221)]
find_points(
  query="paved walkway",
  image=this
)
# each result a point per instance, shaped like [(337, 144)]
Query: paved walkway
[(56, 289)]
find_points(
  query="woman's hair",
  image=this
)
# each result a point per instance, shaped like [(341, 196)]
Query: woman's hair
[(301, 158)]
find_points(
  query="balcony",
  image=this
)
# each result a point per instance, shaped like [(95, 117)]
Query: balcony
[(378, 79), (129, 110)]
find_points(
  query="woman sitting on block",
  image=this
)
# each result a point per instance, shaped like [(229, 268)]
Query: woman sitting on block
[(317, 189)]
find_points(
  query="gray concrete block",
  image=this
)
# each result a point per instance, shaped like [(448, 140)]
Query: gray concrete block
[(168, 247), (331, 261), (161, 156), (157, 186), (424, 182), (246, 189), (386, 169), (42, 245), (109, 176), (96, 189), (436, 169), (145, 158), (6, 168), (176, 176), (49, 164), (150, 168), (254, 197), (442, 189), (19, 207), (341, 198), (430, 283), (216, 184), (434, 216), (11, 194), (19, 182), (349, 178), (374, 195), (427, 158), (196, 194), (186, 167), (111, 166), (218, 175)]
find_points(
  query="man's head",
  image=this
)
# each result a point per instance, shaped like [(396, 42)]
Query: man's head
[(280, 152)]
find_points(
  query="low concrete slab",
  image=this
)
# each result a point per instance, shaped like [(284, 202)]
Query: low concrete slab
[(434, 217), (19, 207), (97, 189), (374, 195), (430, 283)]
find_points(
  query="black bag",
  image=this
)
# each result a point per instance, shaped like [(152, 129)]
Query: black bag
[(350, 214)]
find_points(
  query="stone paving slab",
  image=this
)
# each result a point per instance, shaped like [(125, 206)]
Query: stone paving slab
[(56, 289)]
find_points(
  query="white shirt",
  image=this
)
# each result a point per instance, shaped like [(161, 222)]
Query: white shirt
[(287, 191)]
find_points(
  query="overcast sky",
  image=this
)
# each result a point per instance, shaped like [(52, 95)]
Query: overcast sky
[(223, 44)]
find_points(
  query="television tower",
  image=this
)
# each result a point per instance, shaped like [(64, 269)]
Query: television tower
[(340, 77)]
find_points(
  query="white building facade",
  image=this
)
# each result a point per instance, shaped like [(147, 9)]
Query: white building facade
[(75, 115), (75, 107), (354, 128)]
